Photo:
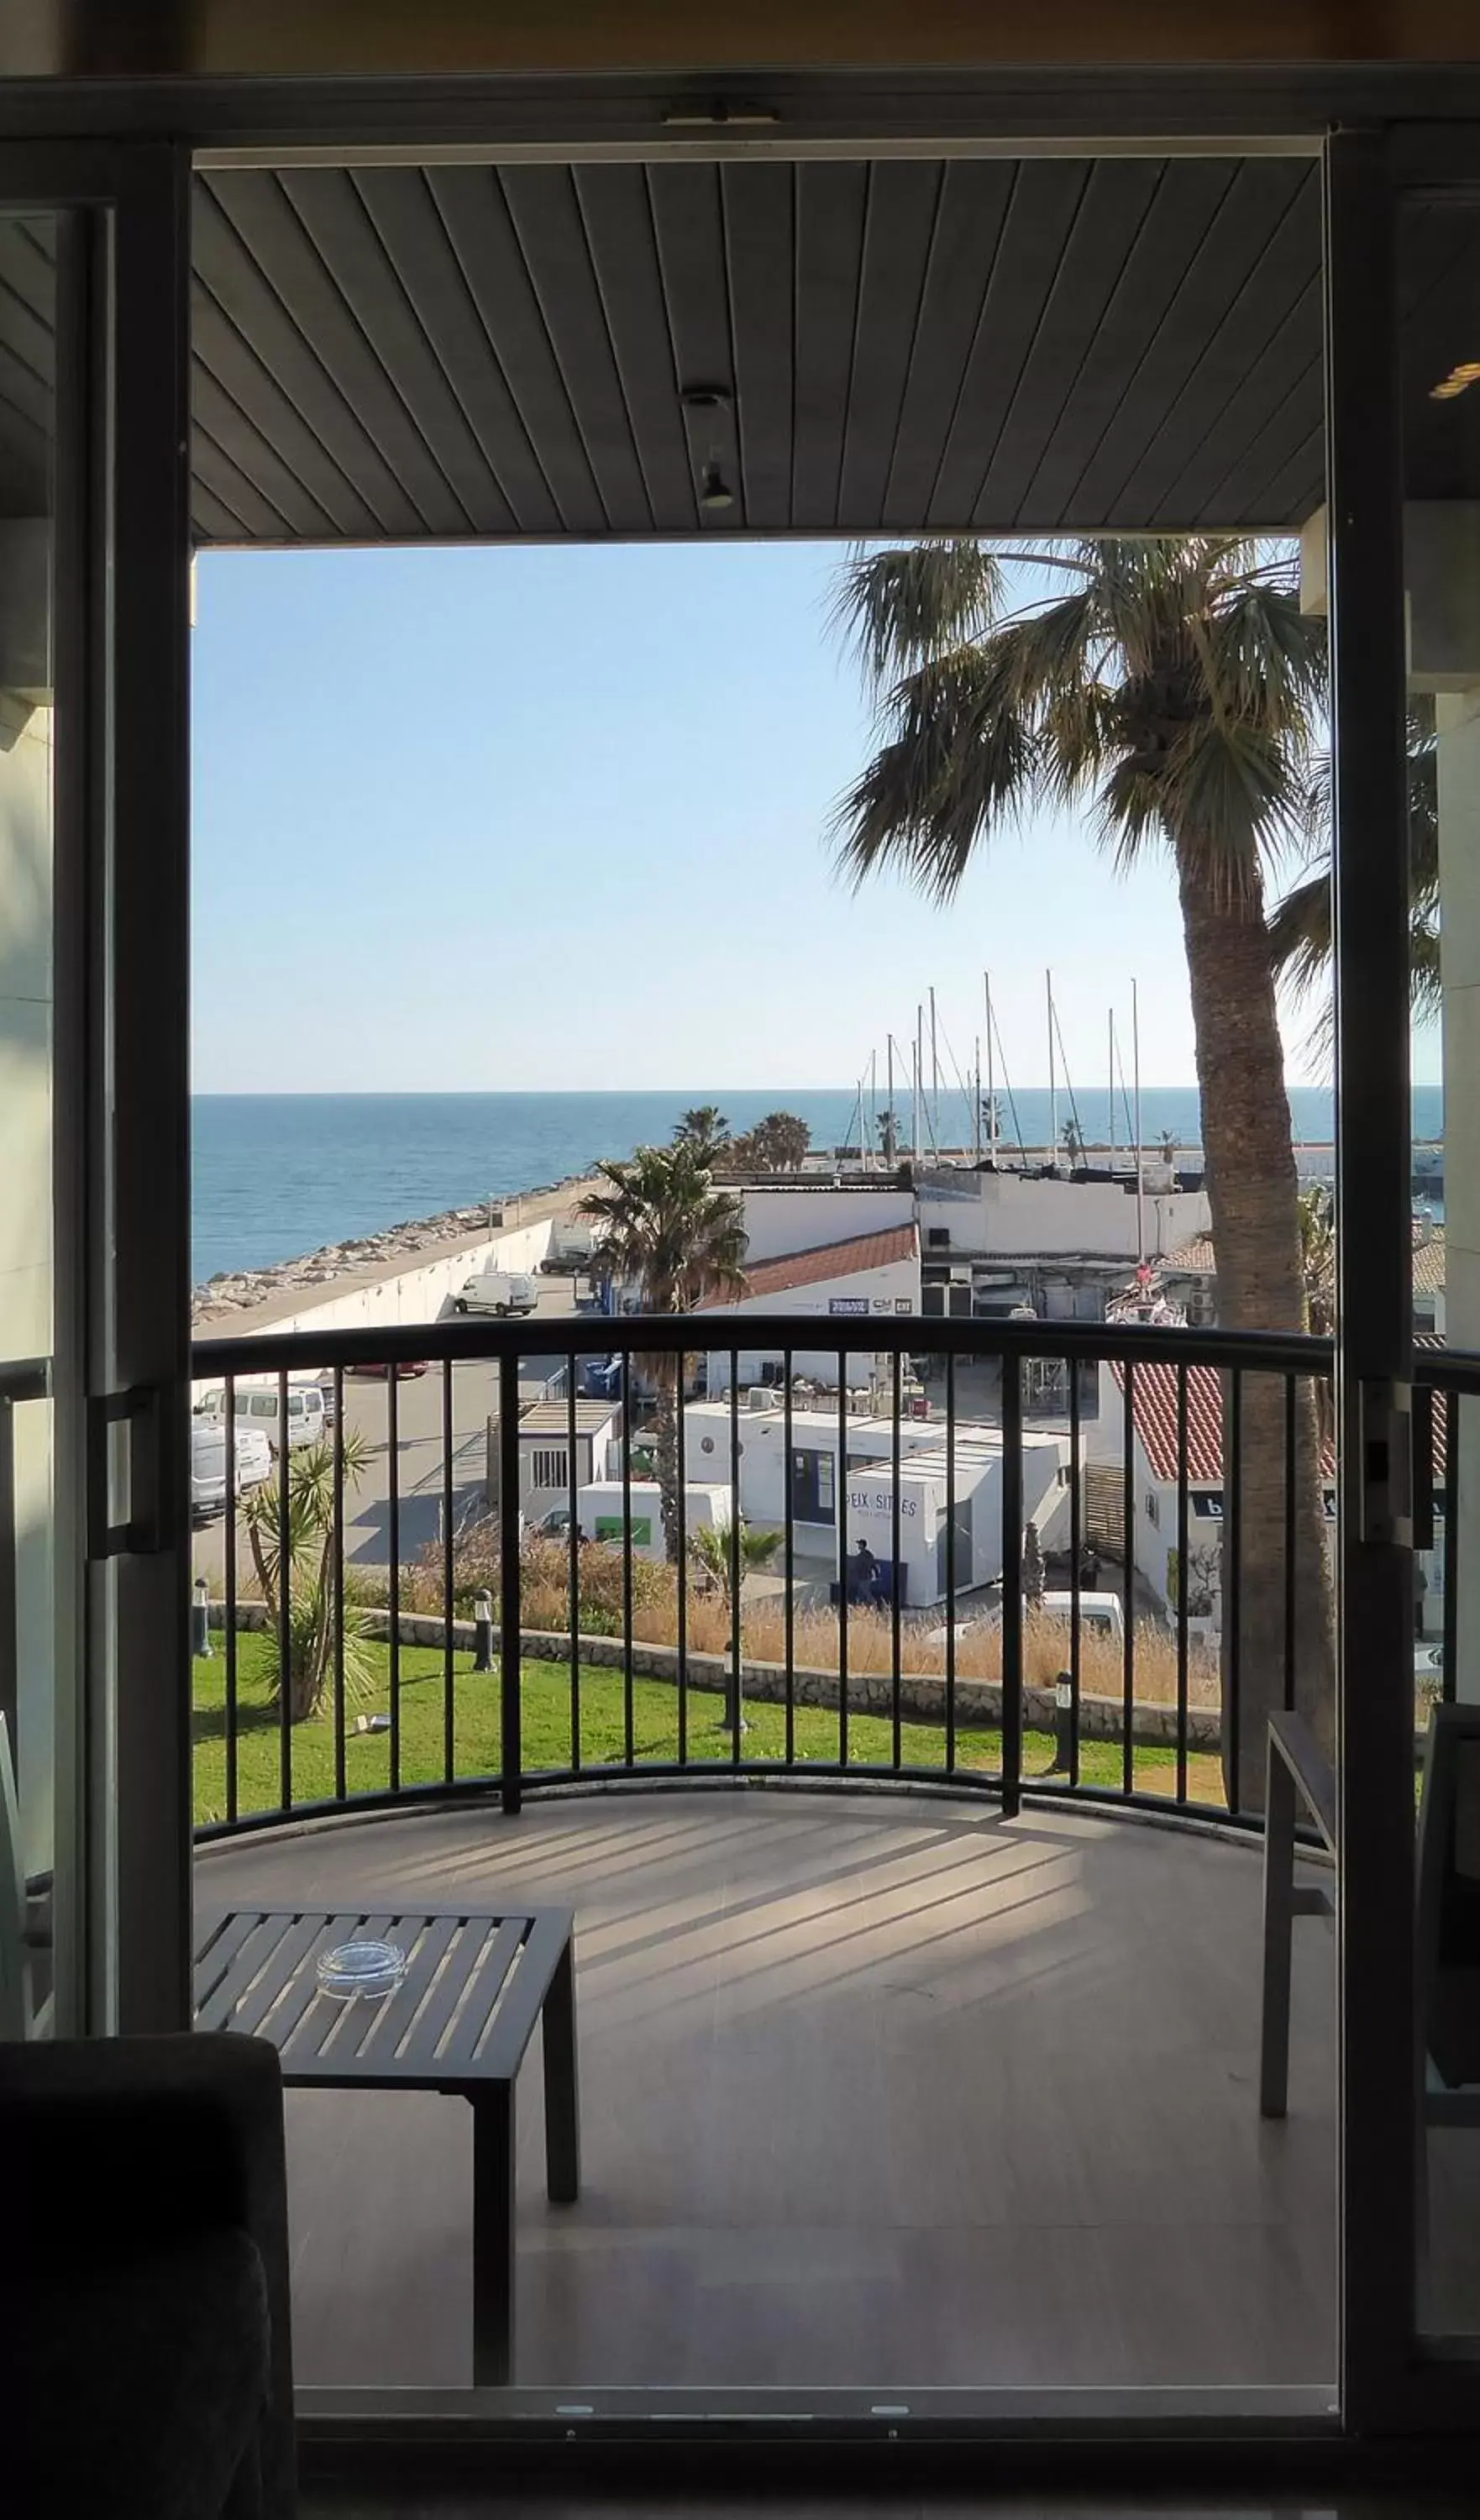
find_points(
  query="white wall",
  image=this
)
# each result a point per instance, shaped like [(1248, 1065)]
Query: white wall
[(779, 1221), (884, 1290), (26, 1229), (419, 1293), (1001, 1216)]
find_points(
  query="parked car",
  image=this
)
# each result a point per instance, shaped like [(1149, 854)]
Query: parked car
[(251, 1465), (259, 1405), (406, 1367)]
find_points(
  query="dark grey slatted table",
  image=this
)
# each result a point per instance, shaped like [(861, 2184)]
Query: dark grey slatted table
[(460, 2022)]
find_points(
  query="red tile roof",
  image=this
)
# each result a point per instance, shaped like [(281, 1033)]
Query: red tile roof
[(1155, 1413), (826, 1260)]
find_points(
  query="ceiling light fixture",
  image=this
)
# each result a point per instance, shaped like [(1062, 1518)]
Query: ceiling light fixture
[(1467, 373), (714, 490)]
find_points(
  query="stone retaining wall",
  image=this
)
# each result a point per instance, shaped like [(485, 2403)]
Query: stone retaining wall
[(921, 1695)]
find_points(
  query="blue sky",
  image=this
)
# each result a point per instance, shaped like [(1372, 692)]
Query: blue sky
[(554, 818)]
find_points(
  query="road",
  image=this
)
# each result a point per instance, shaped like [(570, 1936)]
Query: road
[(419, 1453)]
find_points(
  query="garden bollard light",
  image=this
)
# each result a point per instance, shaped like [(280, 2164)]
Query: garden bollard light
[(483, 1631), (1064, 1722), (199, 1620)]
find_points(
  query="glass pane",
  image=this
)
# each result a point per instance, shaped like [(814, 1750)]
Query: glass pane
[(1439, 278), (28, 1662)]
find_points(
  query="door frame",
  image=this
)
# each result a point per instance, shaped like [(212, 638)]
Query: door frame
[(120, 1071), (1388, 2383)]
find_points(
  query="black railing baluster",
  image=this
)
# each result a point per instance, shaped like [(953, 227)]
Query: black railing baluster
[(629, 1733), (393, 1543), (788, 1608), (449, 1577), (731, 1695), (340, 1780), (1128, 1591), (285, 1601), (681, 1571), (1233, 1583), (737, 1566), (1012, 1584), (511, 1576), (840, 1511), (1076, 1558), (229, 1607), (896, 1543), (1449, 1677), (573, 1558), (950, 1560), (1183, 1582), (1291, 1432)]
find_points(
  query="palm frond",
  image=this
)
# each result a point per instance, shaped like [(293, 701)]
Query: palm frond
[(896, 610), (963, 760)]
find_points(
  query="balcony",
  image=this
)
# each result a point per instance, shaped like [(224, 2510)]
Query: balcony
[(876, 2090), (919, 2010)]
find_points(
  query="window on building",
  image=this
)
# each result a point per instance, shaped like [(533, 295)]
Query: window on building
[(551, 1466), (1153, 1509)]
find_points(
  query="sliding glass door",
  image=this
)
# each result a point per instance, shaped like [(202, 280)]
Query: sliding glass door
[(93, 1496)]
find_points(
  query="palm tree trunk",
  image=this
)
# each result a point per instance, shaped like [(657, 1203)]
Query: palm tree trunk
[(1253, 1192), (665, 1451)]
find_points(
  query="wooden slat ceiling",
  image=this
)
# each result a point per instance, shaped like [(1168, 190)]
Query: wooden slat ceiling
[(476, 352), (469, 352)]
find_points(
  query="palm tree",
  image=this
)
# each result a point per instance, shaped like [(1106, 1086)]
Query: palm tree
[(887, 1125), (1300, 927), (705, 1129), (1170, 686), (714, 1549), (681, 1241), (1073, 1142), (778, 1144)]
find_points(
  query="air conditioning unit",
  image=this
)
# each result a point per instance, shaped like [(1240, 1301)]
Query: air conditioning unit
[(762, 1395)]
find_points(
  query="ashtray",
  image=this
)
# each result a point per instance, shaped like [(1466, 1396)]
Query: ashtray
[(353, 1970)]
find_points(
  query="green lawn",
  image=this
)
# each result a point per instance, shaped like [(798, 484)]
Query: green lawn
[(547, 1732)]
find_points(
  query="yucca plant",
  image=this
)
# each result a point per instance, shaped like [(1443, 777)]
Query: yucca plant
[(304, 1549)]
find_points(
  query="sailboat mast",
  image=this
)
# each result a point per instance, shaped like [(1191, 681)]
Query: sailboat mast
[(1141, 1192), (1112, 1091), (919, 1049), (891, 1150), (976, 1105), (986, 982), (872, 1105), (934, 1081), (1052, 1077)]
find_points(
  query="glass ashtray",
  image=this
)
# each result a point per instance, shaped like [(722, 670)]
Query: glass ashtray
[(354, 1969)]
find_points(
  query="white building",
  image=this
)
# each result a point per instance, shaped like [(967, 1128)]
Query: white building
[(545, 1465), (806, 1480), (872, 1276), (781, 1219), (1012, 1216), (601, 1513)]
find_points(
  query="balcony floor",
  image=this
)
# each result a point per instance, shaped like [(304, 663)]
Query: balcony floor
[(875, 2090)]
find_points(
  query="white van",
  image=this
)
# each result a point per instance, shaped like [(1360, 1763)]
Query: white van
[(253, 1463), (497, 1291), (1101, 1614), (257, 1406)]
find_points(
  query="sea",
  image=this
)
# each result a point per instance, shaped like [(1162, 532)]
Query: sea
[(277, 1175)]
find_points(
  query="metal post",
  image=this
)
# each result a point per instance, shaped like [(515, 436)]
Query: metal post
[(1370, 891), (200, 1621), (483, 1631), (512, 1727)]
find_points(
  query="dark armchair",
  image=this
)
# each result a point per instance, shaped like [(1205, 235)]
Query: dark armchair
[(145, 2316)]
